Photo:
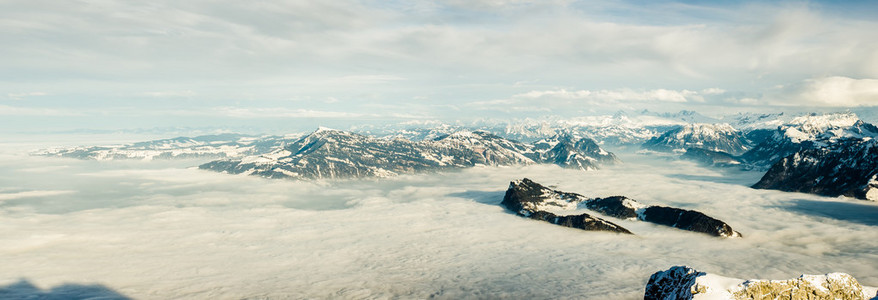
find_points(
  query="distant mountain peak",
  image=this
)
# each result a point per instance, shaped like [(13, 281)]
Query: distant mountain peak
[(714, 137), (844, 119), (322, 129)]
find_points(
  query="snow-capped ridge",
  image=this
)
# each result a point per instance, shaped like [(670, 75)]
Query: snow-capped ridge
[(809, 132), (208, 146), (715, 137), (340, 154)]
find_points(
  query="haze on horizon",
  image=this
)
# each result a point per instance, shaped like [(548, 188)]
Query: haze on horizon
[(129, 64)]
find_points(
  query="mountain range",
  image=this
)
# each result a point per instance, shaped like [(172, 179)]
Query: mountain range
[(829, 154), (329, 153), (206, 146), (714, 137)]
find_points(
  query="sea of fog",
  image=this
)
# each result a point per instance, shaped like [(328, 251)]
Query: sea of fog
[(163, 229)]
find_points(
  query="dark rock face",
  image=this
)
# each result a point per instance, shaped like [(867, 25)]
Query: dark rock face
[(714, 137), (613, 206), (583, 221), (675, 283), (711, 158), (846, 168), (688, 220)]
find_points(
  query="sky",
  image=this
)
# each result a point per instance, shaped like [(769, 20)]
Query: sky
[(273, 64)]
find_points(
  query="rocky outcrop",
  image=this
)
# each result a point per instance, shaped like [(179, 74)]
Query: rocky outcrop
[(682, 282), (525, 196), (673, 284), (531, 199), (846, 168), (625, 208), (687, 220)]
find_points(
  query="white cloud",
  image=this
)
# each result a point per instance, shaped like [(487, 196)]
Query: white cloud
[(360, 79), (842, 91), (6, 110), (31, 194), (19, 96), (277, 112), (713, 91), (579, 102), (834, 91), (171, 94), (616, 95), (182, 231)]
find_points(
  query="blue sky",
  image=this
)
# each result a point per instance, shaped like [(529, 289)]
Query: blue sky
[(132, 64)]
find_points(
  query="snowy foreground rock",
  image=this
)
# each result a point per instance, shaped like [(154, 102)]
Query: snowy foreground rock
[(533, 200), (682, 282)]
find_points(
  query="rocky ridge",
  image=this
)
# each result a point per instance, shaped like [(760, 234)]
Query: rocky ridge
[(527, 198)]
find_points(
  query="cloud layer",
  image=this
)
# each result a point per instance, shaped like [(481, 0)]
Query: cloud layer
[(159, 229), (835, 91)]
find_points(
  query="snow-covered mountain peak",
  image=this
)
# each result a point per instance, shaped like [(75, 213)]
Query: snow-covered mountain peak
[(325, 132), (321, 129), (750, 121), (714, 137), (828, 127), (826, 120), (705, 130)]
